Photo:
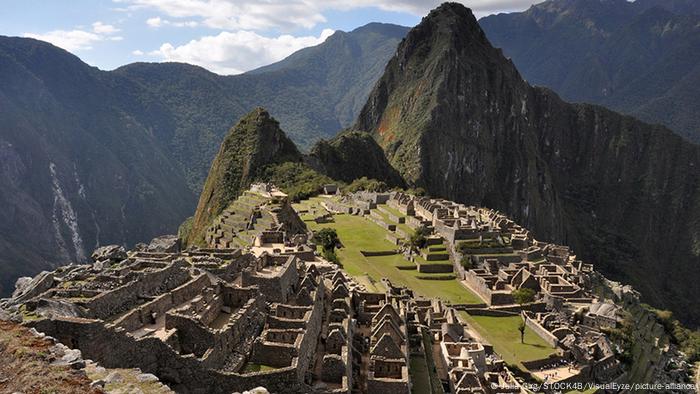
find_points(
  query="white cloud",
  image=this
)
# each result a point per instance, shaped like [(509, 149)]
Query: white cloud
[(137, 52), (236, 52), (160, 22), (293, 14), (154, 22), (73, 40), (78, 39), (101, 28)]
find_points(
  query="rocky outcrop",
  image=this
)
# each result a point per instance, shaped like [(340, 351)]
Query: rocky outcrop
[(254, 143), (653, 355), (27, 288), (455, 117), (164, 244), (113, 253)]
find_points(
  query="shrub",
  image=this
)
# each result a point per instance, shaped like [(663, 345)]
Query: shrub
[(524, 296), (418, 238), (296, 179), (466, 262), (370, 185), (331, 256)]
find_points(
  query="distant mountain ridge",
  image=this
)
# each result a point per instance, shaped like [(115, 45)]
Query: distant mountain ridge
[(92, 157), (641, 58), (455, 117)]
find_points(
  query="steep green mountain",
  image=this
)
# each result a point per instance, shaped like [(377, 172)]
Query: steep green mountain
[(78, 167), (314, 93), (90, 157), (641, 58), (455, 117), (351, 155), (253, 144)]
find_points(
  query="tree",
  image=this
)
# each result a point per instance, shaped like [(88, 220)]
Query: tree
[(466, 262), (417, 239), (327, 238), (521, 328), (331, 256), (524, 295), (370, 185)]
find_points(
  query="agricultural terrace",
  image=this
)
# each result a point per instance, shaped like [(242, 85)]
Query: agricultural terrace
[(359, 234)]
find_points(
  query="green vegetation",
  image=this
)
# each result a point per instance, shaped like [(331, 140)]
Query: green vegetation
[(298, 180), (254, 143), (572, 65), (435, 383), (466, 262), (183, 232), (623, 336), (28, 315), (355, 157), (327, 238), (420, 377), (504, 334), (370, 185), (687, 339), (417, 239), (252, 367), (524, 296)]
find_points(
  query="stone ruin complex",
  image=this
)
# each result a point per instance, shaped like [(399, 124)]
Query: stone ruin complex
[(259, 308)]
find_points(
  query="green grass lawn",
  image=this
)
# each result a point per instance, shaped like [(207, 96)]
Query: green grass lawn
[(393, 211), (357, 233), (420, 378), (252, 367), (385, 217), (503, 334)]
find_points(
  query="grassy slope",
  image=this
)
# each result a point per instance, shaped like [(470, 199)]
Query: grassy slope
[(25, 366), (503, 334), (357, 233)]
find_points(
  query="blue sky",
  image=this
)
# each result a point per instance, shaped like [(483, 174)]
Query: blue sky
[(225, 36)]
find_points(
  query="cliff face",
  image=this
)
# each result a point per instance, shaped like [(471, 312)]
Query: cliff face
[(454, 116), (352, 155), (78, 168), (254, 143)]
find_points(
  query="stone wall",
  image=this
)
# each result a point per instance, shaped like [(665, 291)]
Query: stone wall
[(143, 314), (277, 288), (389, 386), (541, 331), (146, 284), (113, 349), (434, 268)]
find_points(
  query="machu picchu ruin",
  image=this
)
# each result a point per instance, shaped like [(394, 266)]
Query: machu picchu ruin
[(462, 232), (260, 307)]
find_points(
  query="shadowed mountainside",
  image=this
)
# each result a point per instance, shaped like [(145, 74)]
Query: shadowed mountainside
[(90, 157), (455, 117), (641, 58)]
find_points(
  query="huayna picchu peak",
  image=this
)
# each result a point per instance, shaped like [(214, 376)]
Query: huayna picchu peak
[(469, 233), (254, 143)]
